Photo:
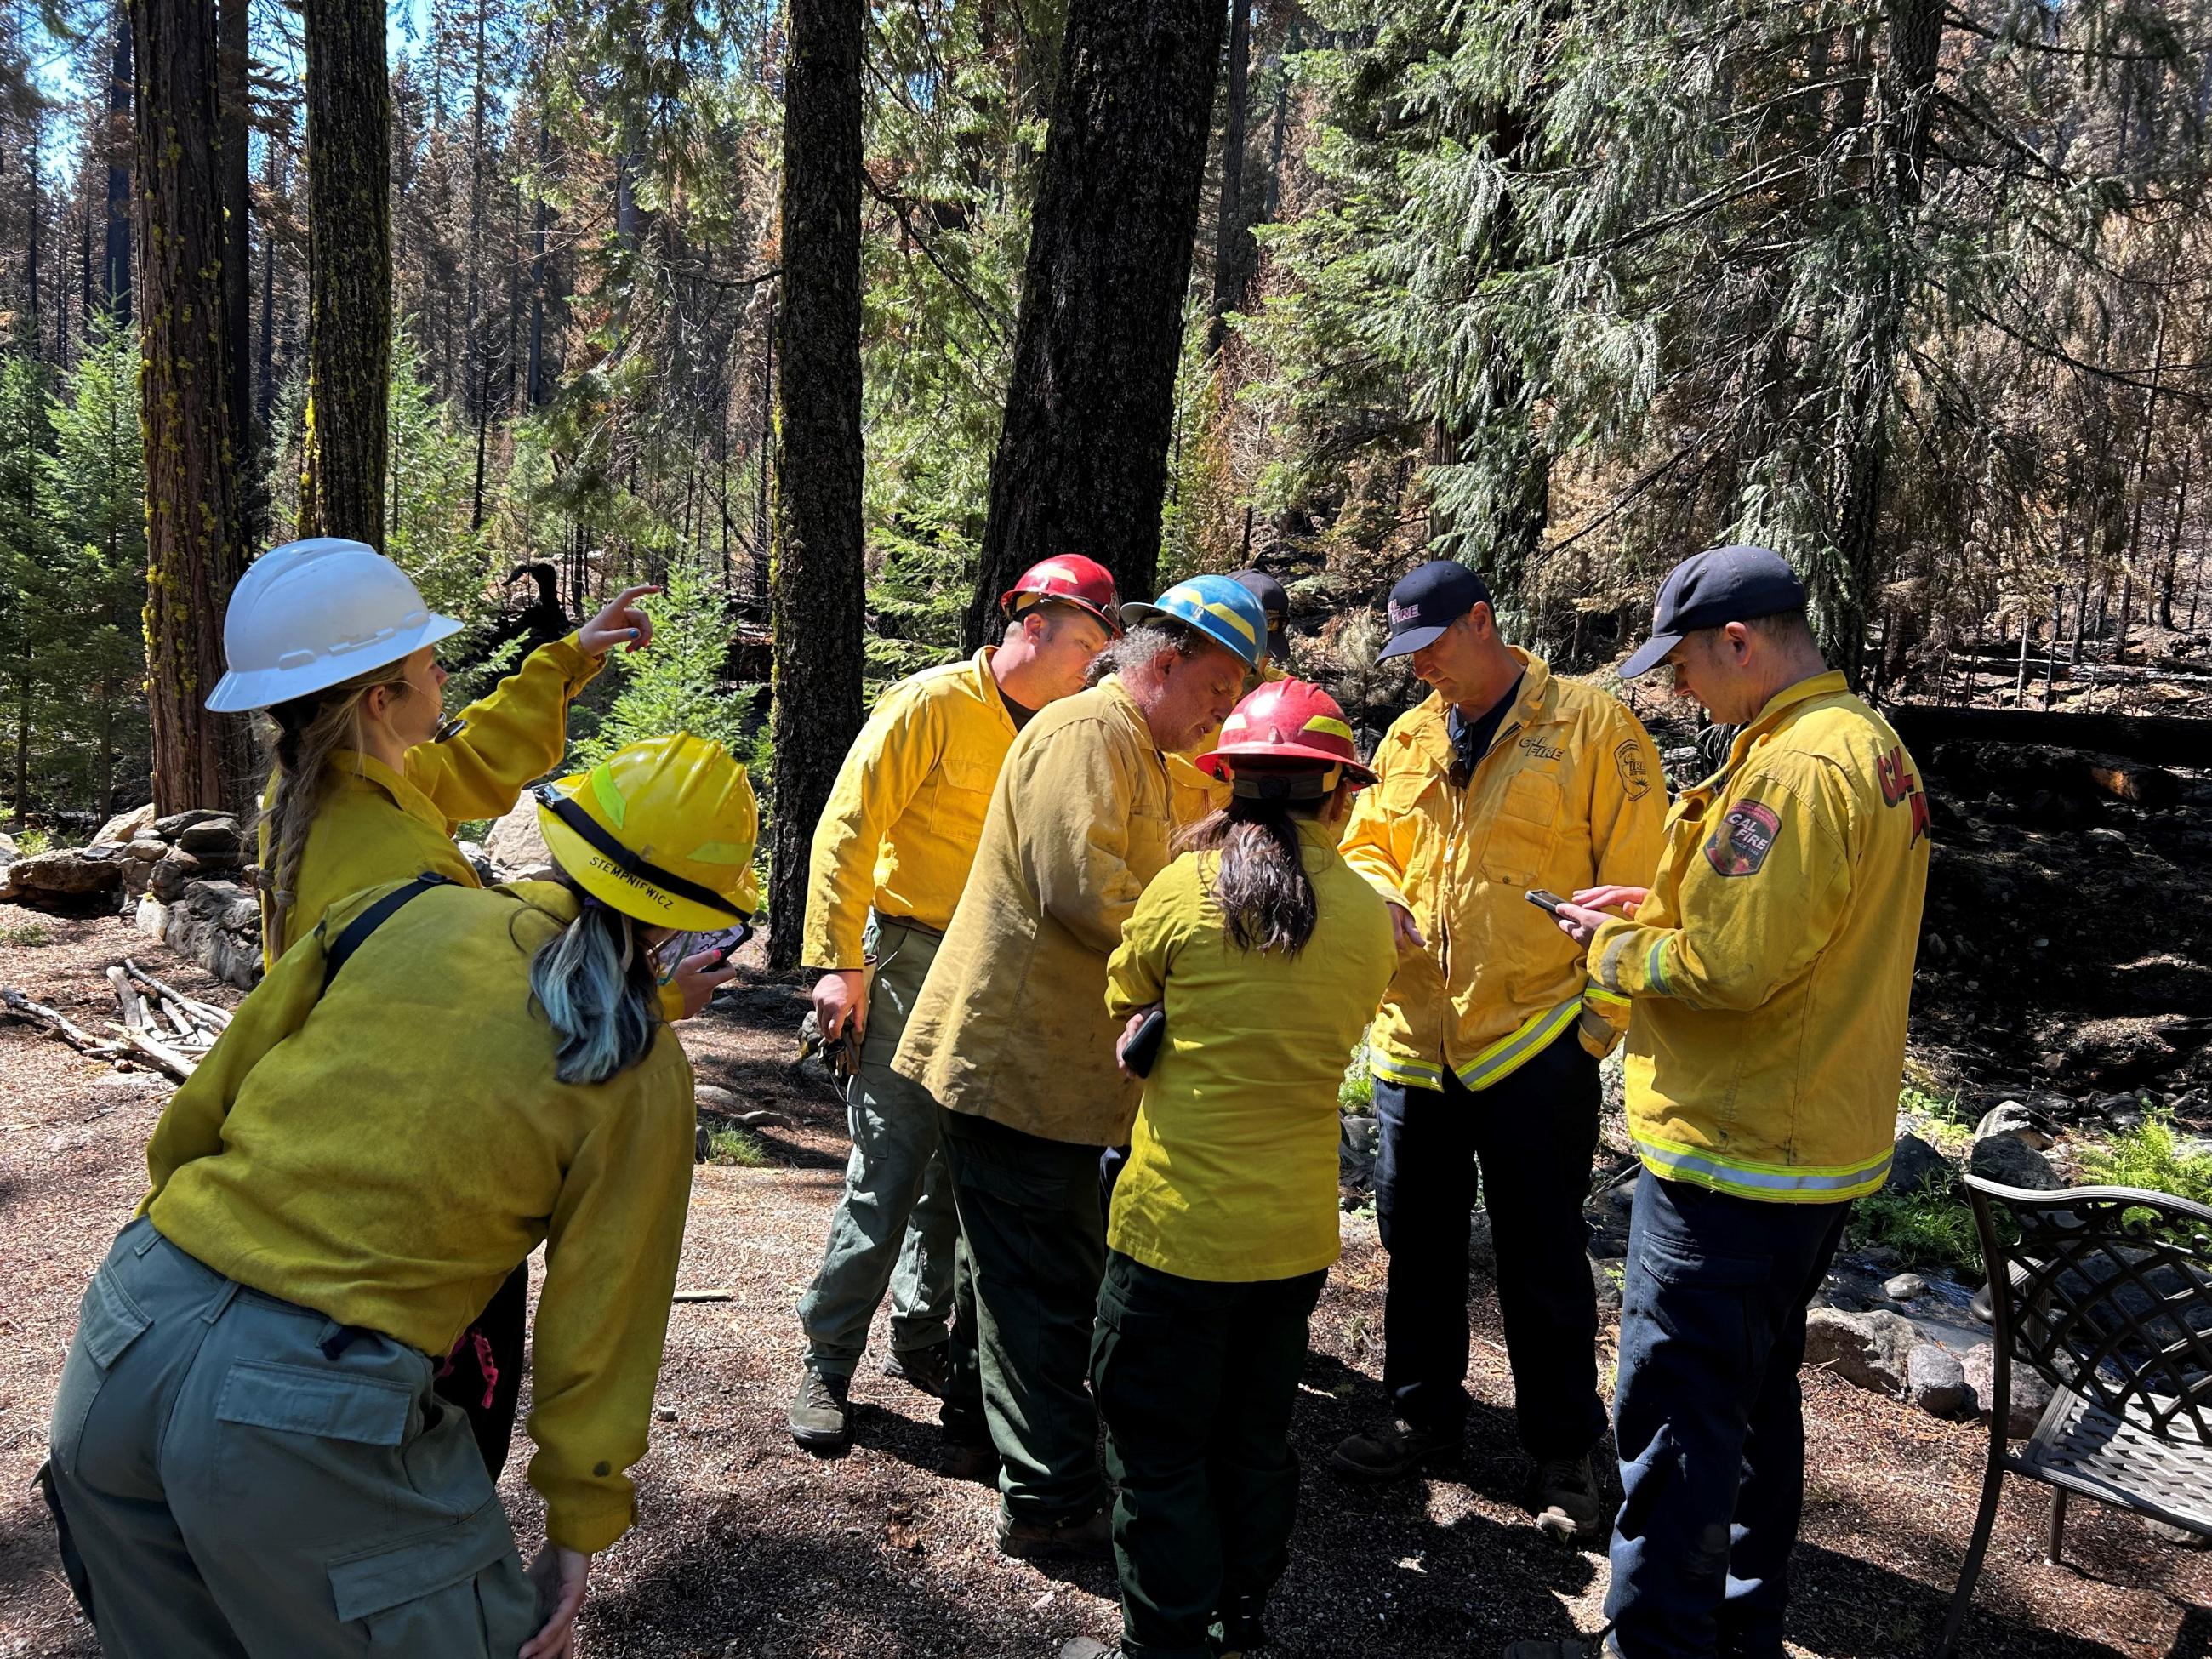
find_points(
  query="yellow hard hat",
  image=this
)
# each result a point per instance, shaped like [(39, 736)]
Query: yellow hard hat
[(662, 831)]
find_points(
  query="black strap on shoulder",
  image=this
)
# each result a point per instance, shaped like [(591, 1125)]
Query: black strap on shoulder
[(358, 929)]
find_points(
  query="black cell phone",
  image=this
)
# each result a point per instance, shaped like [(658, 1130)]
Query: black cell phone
[(1144, 1048), (1544, 900)]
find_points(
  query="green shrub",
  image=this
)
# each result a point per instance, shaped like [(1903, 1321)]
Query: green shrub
[(2149, 1156), (1933, 1229), (1355, 1094), (29, 843), (25, 935), (729, 1146)]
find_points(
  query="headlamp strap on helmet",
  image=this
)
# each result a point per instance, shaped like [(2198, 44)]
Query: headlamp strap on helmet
[(594, 836)]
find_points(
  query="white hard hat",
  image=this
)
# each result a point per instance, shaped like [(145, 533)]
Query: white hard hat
[(308, 614)]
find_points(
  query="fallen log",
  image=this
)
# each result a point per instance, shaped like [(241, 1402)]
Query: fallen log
[(203, 1013), (134, 1009), (37, 1013), (2158, 739), (178, 1066)]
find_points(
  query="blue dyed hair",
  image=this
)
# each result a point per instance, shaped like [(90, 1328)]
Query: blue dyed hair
[(596, 983)]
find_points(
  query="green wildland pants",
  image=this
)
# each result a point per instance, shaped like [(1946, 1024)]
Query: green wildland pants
[(1029, 1215), (244, 1476), (1196, 1380), (894, 1225)]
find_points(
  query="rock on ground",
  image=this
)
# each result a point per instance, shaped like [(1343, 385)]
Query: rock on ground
[(68, 878), (1868, 1349), (2030, 1393), (2023, 1124), (1935, 1382), (127, 826), (2010, 1162), (1917, 1167), (517, 851)]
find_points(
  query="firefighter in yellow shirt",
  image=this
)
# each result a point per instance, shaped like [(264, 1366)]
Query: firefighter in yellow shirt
[(368, 781), (1506, 778), (247, 1450), (1770, 963), (1010, 1033), (1265, 955), (890, 856)]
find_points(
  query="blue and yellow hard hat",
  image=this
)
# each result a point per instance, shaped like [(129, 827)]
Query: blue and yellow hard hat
[(1222, 610)]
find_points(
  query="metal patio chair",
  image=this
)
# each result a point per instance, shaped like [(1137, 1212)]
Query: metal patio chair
[(2108, 1299)]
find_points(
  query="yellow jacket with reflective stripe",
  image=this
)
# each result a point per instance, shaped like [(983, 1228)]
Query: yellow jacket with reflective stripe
[(1232, 1168), (375, 825), (1568, 795), (1772, 966), (1011, 1024), (907, 810), (385, 1154)]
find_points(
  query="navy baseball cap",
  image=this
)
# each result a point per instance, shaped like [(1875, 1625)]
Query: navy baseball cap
[(1272, 600), (1427, 600), (1720, 585)]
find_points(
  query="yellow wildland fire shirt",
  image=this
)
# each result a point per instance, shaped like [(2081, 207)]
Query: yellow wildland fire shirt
[(1232, 1168), (907, 810), (1569, 795), (375, 825), (388, 1152), (1012, 1024), (1771, 965)]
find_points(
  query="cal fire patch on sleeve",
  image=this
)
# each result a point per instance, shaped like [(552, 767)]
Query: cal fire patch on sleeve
[(1744, 839), (1635, 777)]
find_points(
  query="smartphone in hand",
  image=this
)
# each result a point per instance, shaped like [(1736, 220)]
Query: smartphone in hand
[(1544, 900), (1143, 1048)]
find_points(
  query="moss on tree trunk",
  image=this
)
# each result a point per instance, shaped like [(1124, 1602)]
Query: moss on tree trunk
[(194, 547)]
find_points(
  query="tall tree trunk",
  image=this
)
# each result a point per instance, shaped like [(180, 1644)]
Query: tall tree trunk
[(31, 253), (232, 82), (264, 396), (1232, 237), (1082, 458), (116, 279), (536, 379), (194, 542), (476, 390), (1846, 586), (818, 589), (349, 271)]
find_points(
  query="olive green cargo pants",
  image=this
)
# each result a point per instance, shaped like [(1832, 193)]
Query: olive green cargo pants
[(243, 1476)]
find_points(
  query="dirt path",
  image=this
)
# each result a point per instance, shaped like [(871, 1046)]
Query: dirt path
[(746, 1546)]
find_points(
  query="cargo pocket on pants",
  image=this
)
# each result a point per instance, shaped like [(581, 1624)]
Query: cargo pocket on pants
[(458, 1590), (107, 1323)]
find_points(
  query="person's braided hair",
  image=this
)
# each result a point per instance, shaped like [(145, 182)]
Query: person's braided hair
[(298, 741)]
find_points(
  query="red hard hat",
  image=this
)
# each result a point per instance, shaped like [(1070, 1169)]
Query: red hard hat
[(1284, 725), (1073, 579)]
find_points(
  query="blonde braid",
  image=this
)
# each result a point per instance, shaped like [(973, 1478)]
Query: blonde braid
[(298, 742)]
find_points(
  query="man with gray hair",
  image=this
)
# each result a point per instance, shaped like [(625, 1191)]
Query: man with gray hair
[(1009, 1033)]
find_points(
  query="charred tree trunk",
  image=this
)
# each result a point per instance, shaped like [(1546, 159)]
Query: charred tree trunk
[(818, 588), (1232, 237), (234, 43), (535, 380), (116, 267), (194, 542), (1846, 589), (1082, 458), (349, 271)]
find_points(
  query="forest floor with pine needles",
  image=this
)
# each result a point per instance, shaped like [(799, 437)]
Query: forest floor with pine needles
[(747, 1545)]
